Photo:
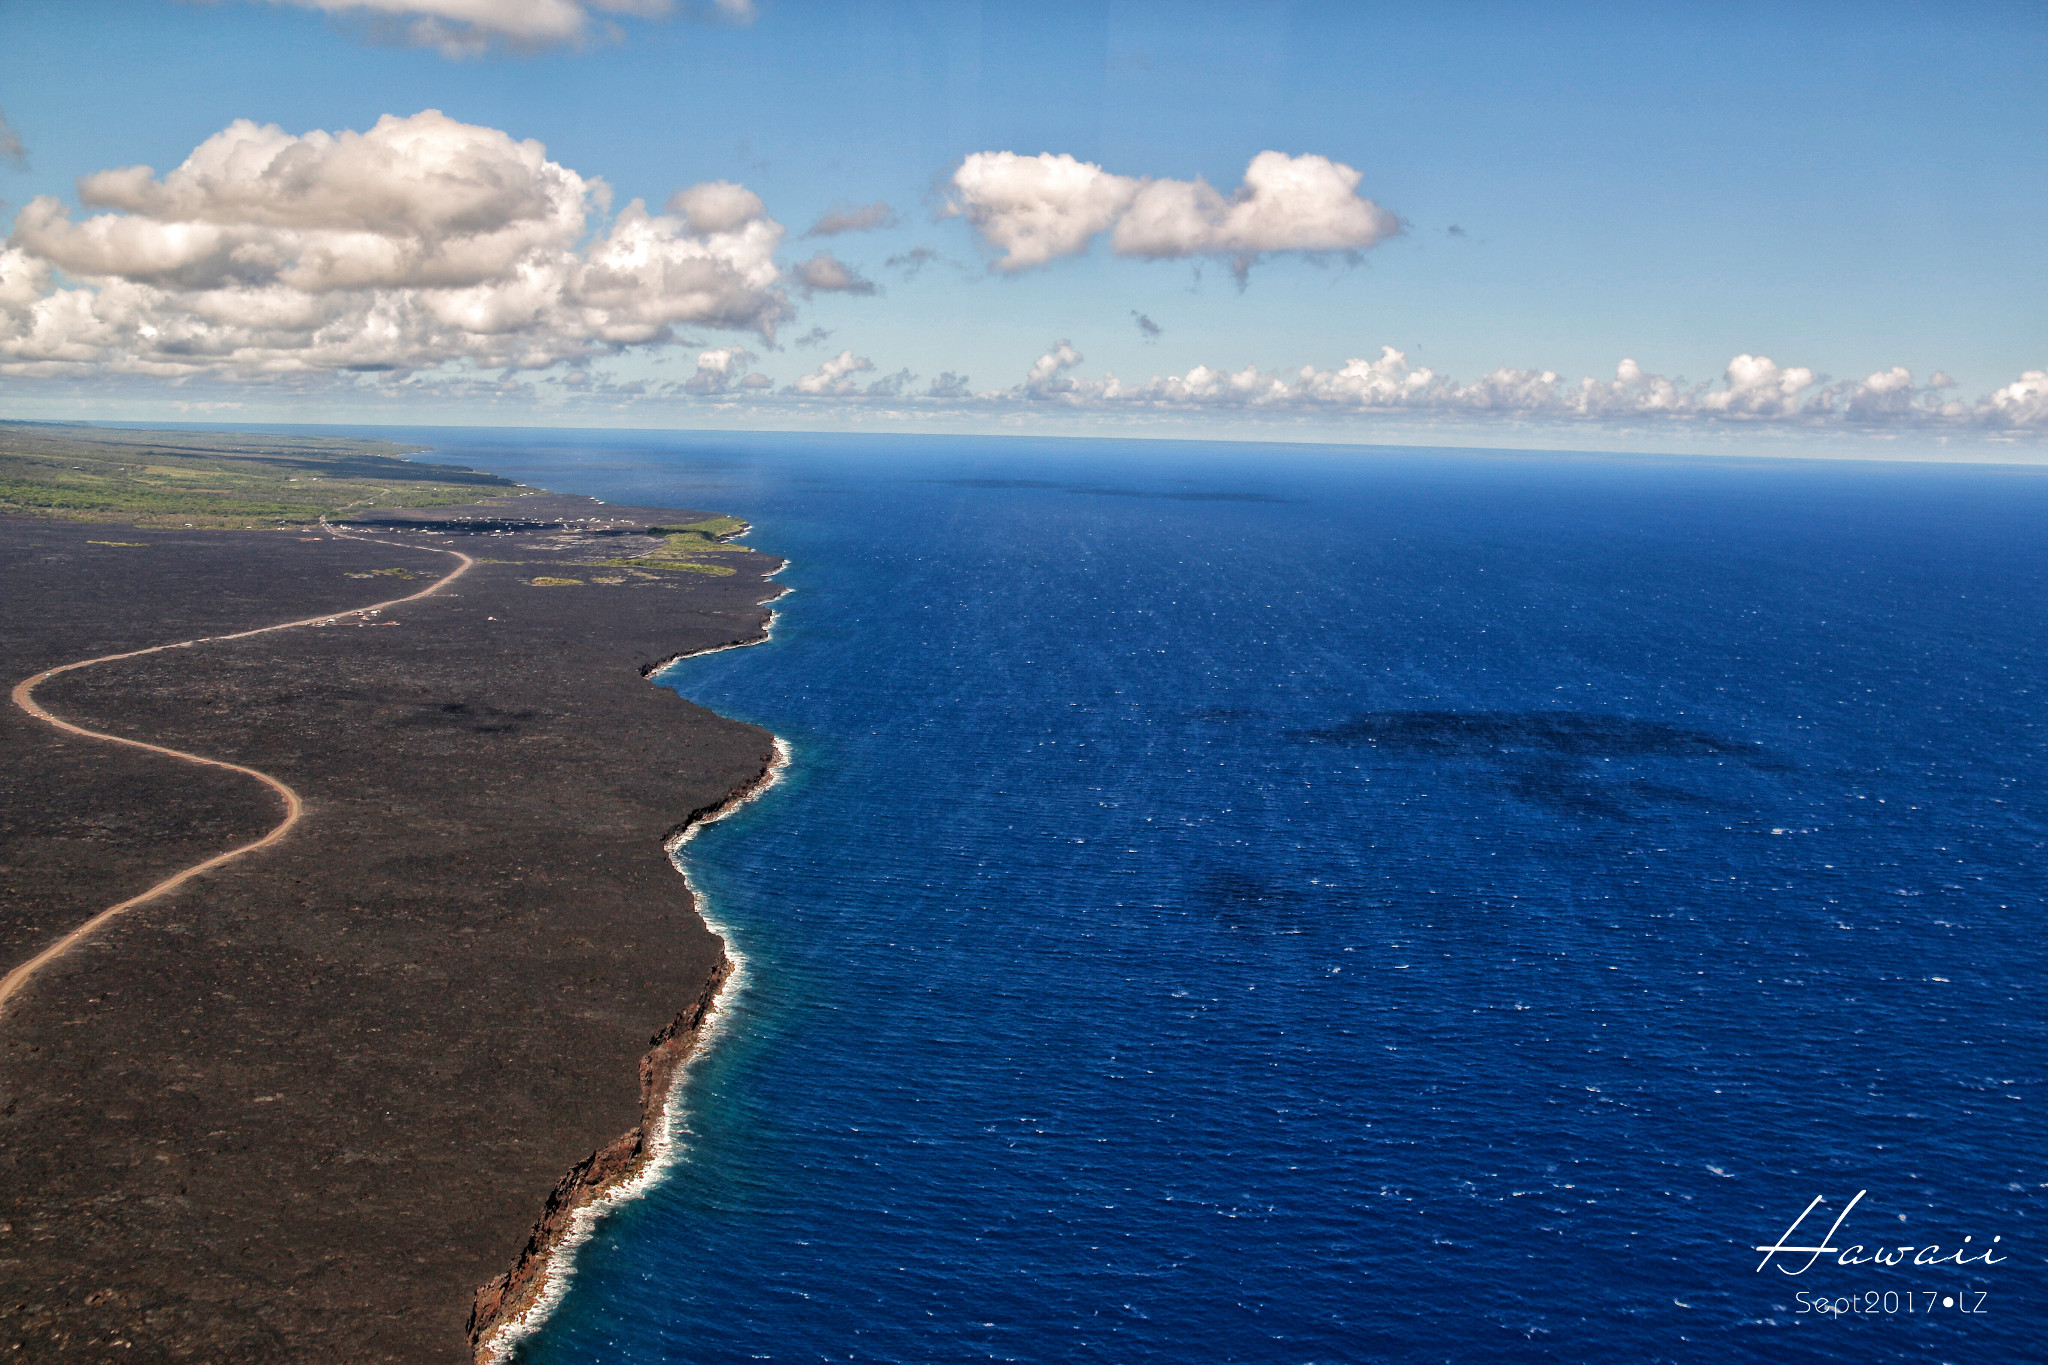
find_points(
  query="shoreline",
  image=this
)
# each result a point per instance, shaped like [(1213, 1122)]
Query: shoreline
[(515, 1306)]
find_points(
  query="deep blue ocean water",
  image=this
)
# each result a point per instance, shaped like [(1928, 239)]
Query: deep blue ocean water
[(1269, 904)]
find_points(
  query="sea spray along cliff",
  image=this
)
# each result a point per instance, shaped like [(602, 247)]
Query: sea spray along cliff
[(512, 1307), (320, 1095)]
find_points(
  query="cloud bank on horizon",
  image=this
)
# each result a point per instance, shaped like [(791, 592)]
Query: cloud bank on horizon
[(1753, 388), (431, 252)]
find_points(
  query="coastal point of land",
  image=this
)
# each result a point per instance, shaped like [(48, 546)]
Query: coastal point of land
[(302, 1106)]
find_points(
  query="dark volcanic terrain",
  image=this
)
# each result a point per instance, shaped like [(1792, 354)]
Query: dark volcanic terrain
[(301, 1108)]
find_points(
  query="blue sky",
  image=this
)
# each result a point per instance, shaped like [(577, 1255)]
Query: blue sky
[(1843, 188)]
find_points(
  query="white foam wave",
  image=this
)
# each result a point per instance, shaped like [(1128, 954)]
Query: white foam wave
[(666, 1144)]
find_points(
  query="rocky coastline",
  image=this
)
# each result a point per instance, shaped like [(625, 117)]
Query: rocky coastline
[(515, 1302), (509, 1298)]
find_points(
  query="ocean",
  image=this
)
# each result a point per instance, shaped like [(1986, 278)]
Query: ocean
[(1291, 904)]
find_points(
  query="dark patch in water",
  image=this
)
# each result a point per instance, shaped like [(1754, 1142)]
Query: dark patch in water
[(1240, 901), (1544, 757), (1562, 785), (1486, 733), (1657, 791)]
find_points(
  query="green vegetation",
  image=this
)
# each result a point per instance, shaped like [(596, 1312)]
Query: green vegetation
[(682, 544), (666, 565), (557, 582), (217, 479), (711, 528)]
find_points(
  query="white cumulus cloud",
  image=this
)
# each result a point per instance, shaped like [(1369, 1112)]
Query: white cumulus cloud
[(834, 377), (2022, 403), (1759, 387), (420, 242), (468, 28), (1049, 377), (721, 369), (717, 206), (1035, 209)]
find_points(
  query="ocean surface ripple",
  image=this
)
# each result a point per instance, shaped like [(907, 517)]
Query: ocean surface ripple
[(1270, 904)]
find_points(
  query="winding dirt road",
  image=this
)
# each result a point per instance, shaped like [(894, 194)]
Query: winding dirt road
[(23, 696)]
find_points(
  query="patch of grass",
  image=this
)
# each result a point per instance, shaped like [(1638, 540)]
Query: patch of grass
[(680, 543), (711, 528), (665, 565), (124, 544), (557, 582), (678, 546), (218, 479)]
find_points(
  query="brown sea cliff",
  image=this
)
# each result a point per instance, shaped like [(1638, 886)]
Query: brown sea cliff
[(523, 1292), (520, 1290)]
